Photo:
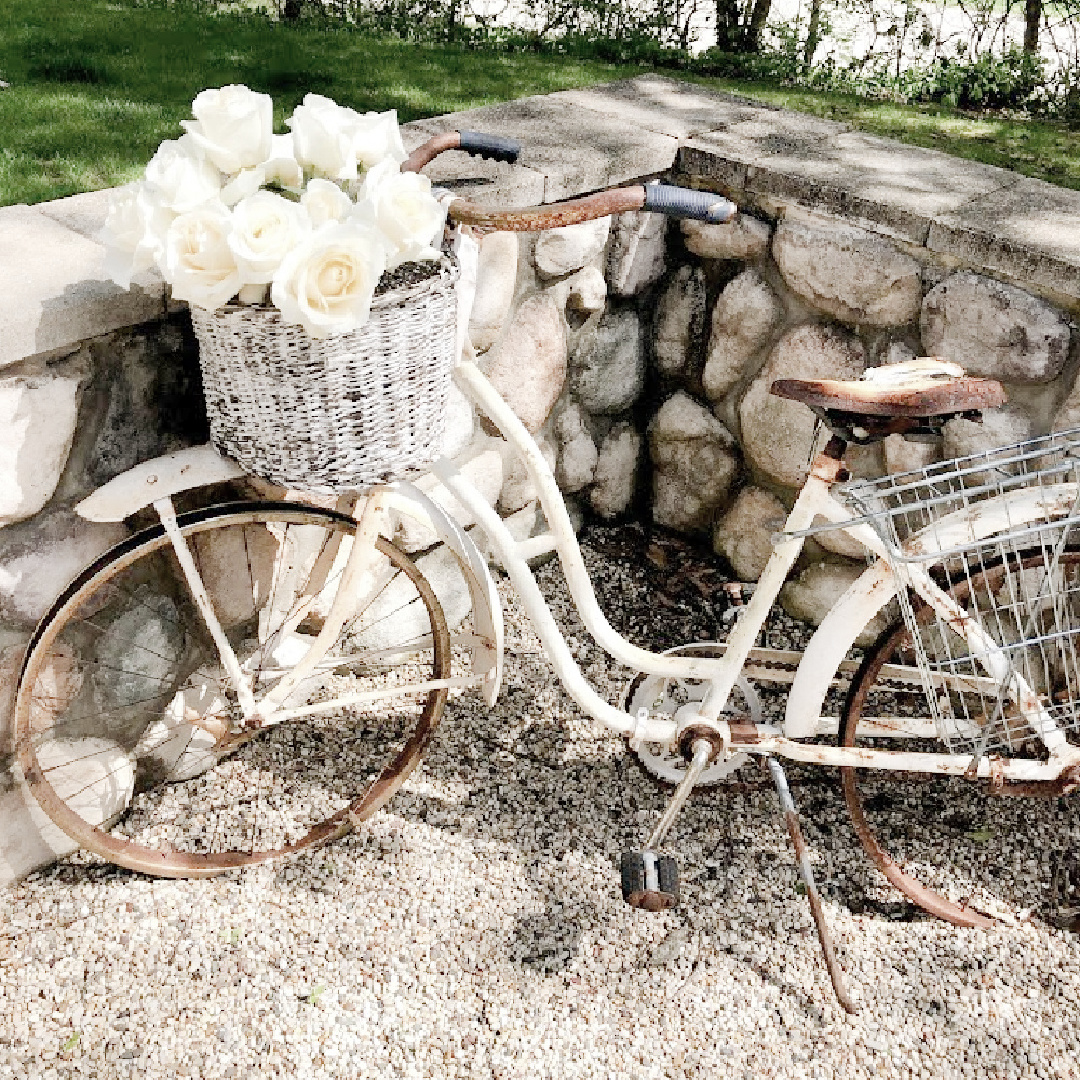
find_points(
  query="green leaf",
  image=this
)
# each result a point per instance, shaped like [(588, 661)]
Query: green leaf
[(70, 1042), (313, 997), (980, 836)]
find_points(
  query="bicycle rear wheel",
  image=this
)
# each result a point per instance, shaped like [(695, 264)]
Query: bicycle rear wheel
[(129, 733), (949, 844)]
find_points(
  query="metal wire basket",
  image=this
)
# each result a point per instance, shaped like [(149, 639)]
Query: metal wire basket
[(997, 533), (339, 413)]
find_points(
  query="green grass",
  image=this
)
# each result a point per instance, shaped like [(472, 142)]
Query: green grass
[(97, 84)]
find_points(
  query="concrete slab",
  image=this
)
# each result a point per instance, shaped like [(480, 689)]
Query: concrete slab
[(84, 214), (55, 292), (1029, 231), (666, 106), (575, 150), (892, 187)]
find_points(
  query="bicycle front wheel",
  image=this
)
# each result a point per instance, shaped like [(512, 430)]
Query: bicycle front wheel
[(949, 844), (129, 732)]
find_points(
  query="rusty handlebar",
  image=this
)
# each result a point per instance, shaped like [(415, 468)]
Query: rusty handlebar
[(660, 198)]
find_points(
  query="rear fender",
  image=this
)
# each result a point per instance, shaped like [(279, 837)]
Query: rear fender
[(866, 596)]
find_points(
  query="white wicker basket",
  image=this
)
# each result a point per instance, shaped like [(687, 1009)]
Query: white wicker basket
[(341, 413)]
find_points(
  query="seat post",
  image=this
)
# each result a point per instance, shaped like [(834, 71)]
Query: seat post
[(835, 447)]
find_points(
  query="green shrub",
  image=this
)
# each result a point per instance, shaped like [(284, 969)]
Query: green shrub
[(988, 82)]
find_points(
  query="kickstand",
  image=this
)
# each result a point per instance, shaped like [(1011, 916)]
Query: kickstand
[(807, 874)]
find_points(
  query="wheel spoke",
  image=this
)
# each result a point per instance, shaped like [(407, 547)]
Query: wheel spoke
[(196, 809)]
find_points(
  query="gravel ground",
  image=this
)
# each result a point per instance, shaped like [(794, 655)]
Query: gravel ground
[(475, 929)]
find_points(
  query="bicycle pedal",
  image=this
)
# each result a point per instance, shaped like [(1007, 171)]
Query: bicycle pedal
[(650, 881)]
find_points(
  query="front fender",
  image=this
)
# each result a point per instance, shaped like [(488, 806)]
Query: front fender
[(831, 642), (198, 466), (487, 620), (159, 478)]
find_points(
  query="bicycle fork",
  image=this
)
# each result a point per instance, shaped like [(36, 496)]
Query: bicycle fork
[(650, 880)]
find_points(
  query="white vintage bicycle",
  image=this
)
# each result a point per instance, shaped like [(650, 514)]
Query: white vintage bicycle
[(246, 680)]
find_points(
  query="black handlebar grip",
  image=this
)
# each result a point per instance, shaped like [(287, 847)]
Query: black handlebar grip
[(498, 147), (685, 203)]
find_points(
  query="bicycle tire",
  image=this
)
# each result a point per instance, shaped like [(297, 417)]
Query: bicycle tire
[(906, 836), (127, 732)]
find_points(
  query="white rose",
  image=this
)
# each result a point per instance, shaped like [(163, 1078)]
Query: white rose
[(198, 262), (402, 207), (378, 138), (324, 137), (325, 201), (134, 231), (232, 126), (182, 177), (326, 284), (246, 182), (281, 169), (265, 228)]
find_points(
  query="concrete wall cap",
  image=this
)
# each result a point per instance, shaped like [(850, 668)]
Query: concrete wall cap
[(578, 141)]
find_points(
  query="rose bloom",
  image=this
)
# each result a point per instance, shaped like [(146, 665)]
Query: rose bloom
[(326, 284), (325, 201), (401, 206), (281, 169), (198, 262), (324, 137), (378, 139), (265, 228), (232, 126), (182, 177), (134, 231)]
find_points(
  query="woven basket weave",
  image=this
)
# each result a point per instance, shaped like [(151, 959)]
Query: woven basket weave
[(341, 413)]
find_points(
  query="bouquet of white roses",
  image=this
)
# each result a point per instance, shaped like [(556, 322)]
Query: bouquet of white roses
[(310, 219)]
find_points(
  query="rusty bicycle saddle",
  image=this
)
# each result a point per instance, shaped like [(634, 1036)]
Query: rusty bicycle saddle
[(915, 397)]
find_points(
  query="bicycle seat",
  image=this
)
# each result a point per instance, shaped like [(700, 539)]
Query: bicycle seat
[(928, 386), (914, 397)]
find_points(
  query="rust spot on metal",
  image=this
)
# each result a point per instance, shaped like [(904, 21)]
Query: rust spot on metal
[(430, 150), (927, 899), (744, 734), (691, 734), (807, 874), (1065, 784), (538, 218)]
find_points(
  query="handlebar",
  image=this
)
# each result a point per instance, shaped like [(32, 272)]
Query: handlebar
[(660, 198), (476, 143), (666, 199)]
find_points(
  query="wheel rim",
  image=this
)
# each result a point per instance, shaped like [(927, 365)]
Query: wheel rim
[(910, 834), (128, 735)]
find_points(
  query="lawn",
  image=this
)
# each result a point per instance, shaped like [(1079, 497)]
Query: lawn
[(95, 85)]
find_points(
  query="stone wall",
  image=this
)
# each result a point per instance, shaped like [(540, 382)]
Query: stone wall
[(638, 352)]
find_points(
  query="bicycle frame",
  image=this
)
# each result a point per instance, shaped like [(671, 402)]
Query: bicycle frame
[(877, 587)]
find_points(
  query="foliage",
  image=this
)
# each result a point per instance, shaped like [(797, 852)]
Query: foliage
[(97, 84), (988, 82)]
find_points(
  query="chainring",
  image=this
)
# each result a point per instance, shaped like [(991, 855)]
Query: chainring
[(663, 695)]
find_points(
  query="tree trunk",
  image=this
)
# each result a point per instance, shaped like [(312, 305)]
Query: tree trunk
[(1032, 21), (813, 34), (291, 11), (728, 30), (758, 17)]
